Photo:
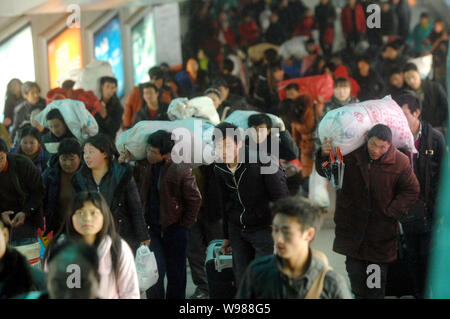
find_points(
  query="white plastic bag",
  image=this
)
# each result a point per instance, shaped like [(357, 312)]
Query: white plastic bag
[(424, 65), (78, 119), (146, 267), (318, 192), (88, 77), (347, 126), (199, 107), (294, 47), (134, 140)]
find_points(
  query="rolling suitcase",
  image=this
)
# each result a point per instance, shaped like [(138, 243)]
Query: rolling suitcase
[(219, 272)]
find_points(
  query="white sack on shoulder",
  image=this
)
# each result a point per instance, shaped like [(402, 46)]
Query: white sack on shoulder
[(348, 126)]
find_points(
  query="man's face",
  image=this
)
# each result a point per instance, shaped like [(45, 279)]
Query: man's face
[(32, 96), (227, 149), (278, 75), (260, 133), (158, 82), (150, 96), (438, 27), (412, 118), (397, 80), (224, 91), (364, 68), (424, 22), (342, 92), (390, 53), (412, 78), (292, 94), (2, 161), (377, 148), (69, 163), (154, 155), (109, 89), (57, 127), (290, 241)]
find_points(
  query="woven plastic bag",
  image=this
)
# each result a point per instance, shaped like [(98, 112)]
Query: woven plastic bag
[(199, 107), (347, 126), (318, 85), (134, 140), (146, 267), (79, 121)]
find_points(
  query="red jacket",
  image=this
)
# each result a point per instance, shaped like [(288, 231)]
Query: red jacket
[(305, 27), (249, 33), (347, 23)]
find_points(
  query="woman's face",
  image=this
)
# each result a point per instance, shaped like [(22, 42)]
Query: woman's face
[(278, 75), (57, 127), (93, 157), (69, 163), (88, 220), (29, 145)]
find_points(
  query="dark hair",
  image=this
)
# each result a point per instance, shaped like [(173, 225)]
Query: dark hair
[(214, 91), (396, 70), (3, 146), (104, 144), (29, 130), (156, 73), (68, 84), (341, 81), (228, 65), (271, 55), (310, 41), (292, 86), (257, 119), (381, 132), (28, 86), (108, 229), (394, 45), (9, 92), (69, 145), (409, 98), (302, 209), (55, 114), (424, 15), (364, 57), (108, 79), (147, 85), (78, 250), (224, 129), (410, 67), (161, 140), (220, 81)]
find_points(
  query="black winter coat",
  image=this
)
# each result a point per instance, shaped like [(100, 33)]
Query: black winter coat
[(121, 193), (111, 123), (434, 104), (247, 193), (372, 86)]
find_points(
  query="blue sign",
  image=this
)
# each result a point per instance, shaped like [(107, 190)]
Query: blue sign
[(108, 47)]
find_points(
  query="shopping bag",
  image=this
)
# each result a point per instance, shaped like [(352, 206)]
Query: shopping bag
[(318, 192), (146, 268), (32, 253)]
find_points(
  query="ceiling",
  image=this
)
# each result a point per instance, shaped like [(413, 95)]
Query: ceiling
[(31, 7)]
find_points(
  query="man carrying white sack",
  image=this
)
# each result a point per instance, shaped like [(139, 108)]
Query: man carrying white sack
[(379, 187)]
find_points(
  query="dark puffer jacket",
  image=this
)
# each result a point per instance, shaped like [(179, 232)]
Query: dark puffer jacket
[(375, 195), (121, 193), (247, 193)]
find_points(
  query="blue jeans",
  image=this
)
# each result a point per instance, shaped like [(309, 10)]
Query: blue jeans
[(170, 249)]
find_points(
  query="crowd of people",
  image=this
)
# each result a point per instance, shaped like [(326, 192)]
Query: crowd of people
[(98, 207)]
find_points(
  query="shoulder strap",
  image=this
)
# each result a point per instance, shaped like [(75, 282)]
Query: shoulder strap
[(316, 288)]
